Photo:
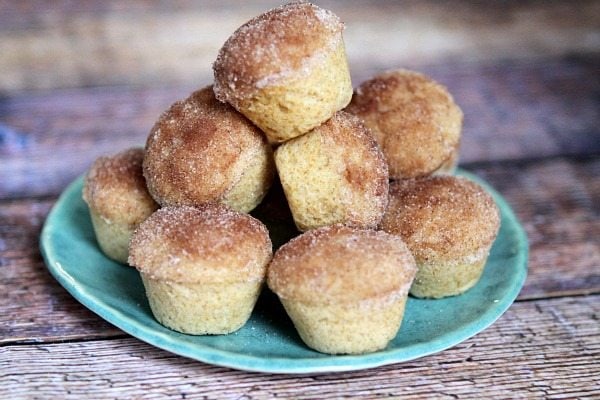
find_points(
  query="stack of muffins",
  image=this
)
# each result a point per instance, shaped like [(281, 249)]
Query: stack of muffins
[(282, 111)]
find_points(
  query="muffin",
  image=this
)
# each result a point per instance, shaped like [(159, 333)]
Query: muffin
[(449, 224), (286, 70), (344, 288), (334, 174), (115, 191), (414, 119), (203, 151), (202, 268)]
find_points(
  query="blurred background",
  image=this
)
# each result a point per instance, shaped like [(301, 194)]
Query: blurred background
[(65, 44), (84, 78)]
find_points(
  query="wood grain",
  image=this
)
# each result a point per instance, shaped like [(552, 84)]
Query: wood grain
[(513, 110), (557, 201), (62, 44), (538, 349), (34, 307)]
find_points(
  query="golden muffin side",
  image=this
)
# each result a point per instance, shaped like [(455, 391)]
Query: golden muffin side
[(336, 173), (413, 118)]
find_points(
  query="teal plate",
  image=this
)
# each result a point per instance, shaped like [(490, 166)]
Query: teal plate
[(269, 342)]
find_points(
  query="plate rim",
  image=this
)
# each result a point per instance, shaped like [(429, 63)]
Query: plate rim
[(239, 361)]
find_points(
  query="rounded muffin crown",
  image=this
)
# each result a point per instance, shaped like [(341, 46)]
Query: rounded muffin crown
[(210, 243), (341, 264), (115, 188), (271, 46), (442, 218), (194, 151), (414, 119)]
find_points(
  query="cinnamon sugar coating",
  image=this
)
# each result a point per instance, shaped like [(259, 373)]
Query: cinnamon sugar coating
[(202, 150), (414, 119), (339, 264), (115, 188), (442, 219), (211, 243), (272, 46)]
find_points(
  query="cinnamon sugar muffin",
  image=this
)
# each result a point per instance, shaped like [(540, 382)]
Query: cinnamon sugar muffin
[(202, 268), (344, 288), (115, 191), (334, 174), (449, 224), (413, 118), (203, 151), (286, 70)]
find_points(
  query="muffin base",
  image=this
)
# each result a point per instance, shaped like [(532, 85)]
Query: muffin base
[(438, 280), (112, 237), (201, 308), (296, 104), (346, 329)]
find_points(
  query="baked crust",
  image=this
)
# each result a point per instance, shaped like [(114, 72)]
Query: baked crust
[(336, 173), (273, 46), (442, 219), (414, 119), (115, 188), (340, 264), (210, 243)]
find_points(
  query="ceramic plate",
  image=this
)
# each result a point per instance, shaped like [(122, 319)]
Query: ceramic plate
[(268, 342)]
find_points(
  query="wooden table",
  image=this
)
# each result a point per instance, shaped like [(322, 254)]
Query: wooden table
[(87, 78)]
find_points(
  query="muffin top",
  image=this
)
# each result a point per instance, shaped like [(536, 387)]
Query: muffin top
[(414, 119), (442, 218), (279, 43), (210, 243), (340, 264), (115, 188), (194, 150)]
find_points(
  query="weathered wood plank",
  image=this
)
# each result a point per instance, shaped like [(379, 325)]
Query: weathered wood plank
[(34, 307), (513, 110), (61, 44), (540, 349), (557, 201)]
